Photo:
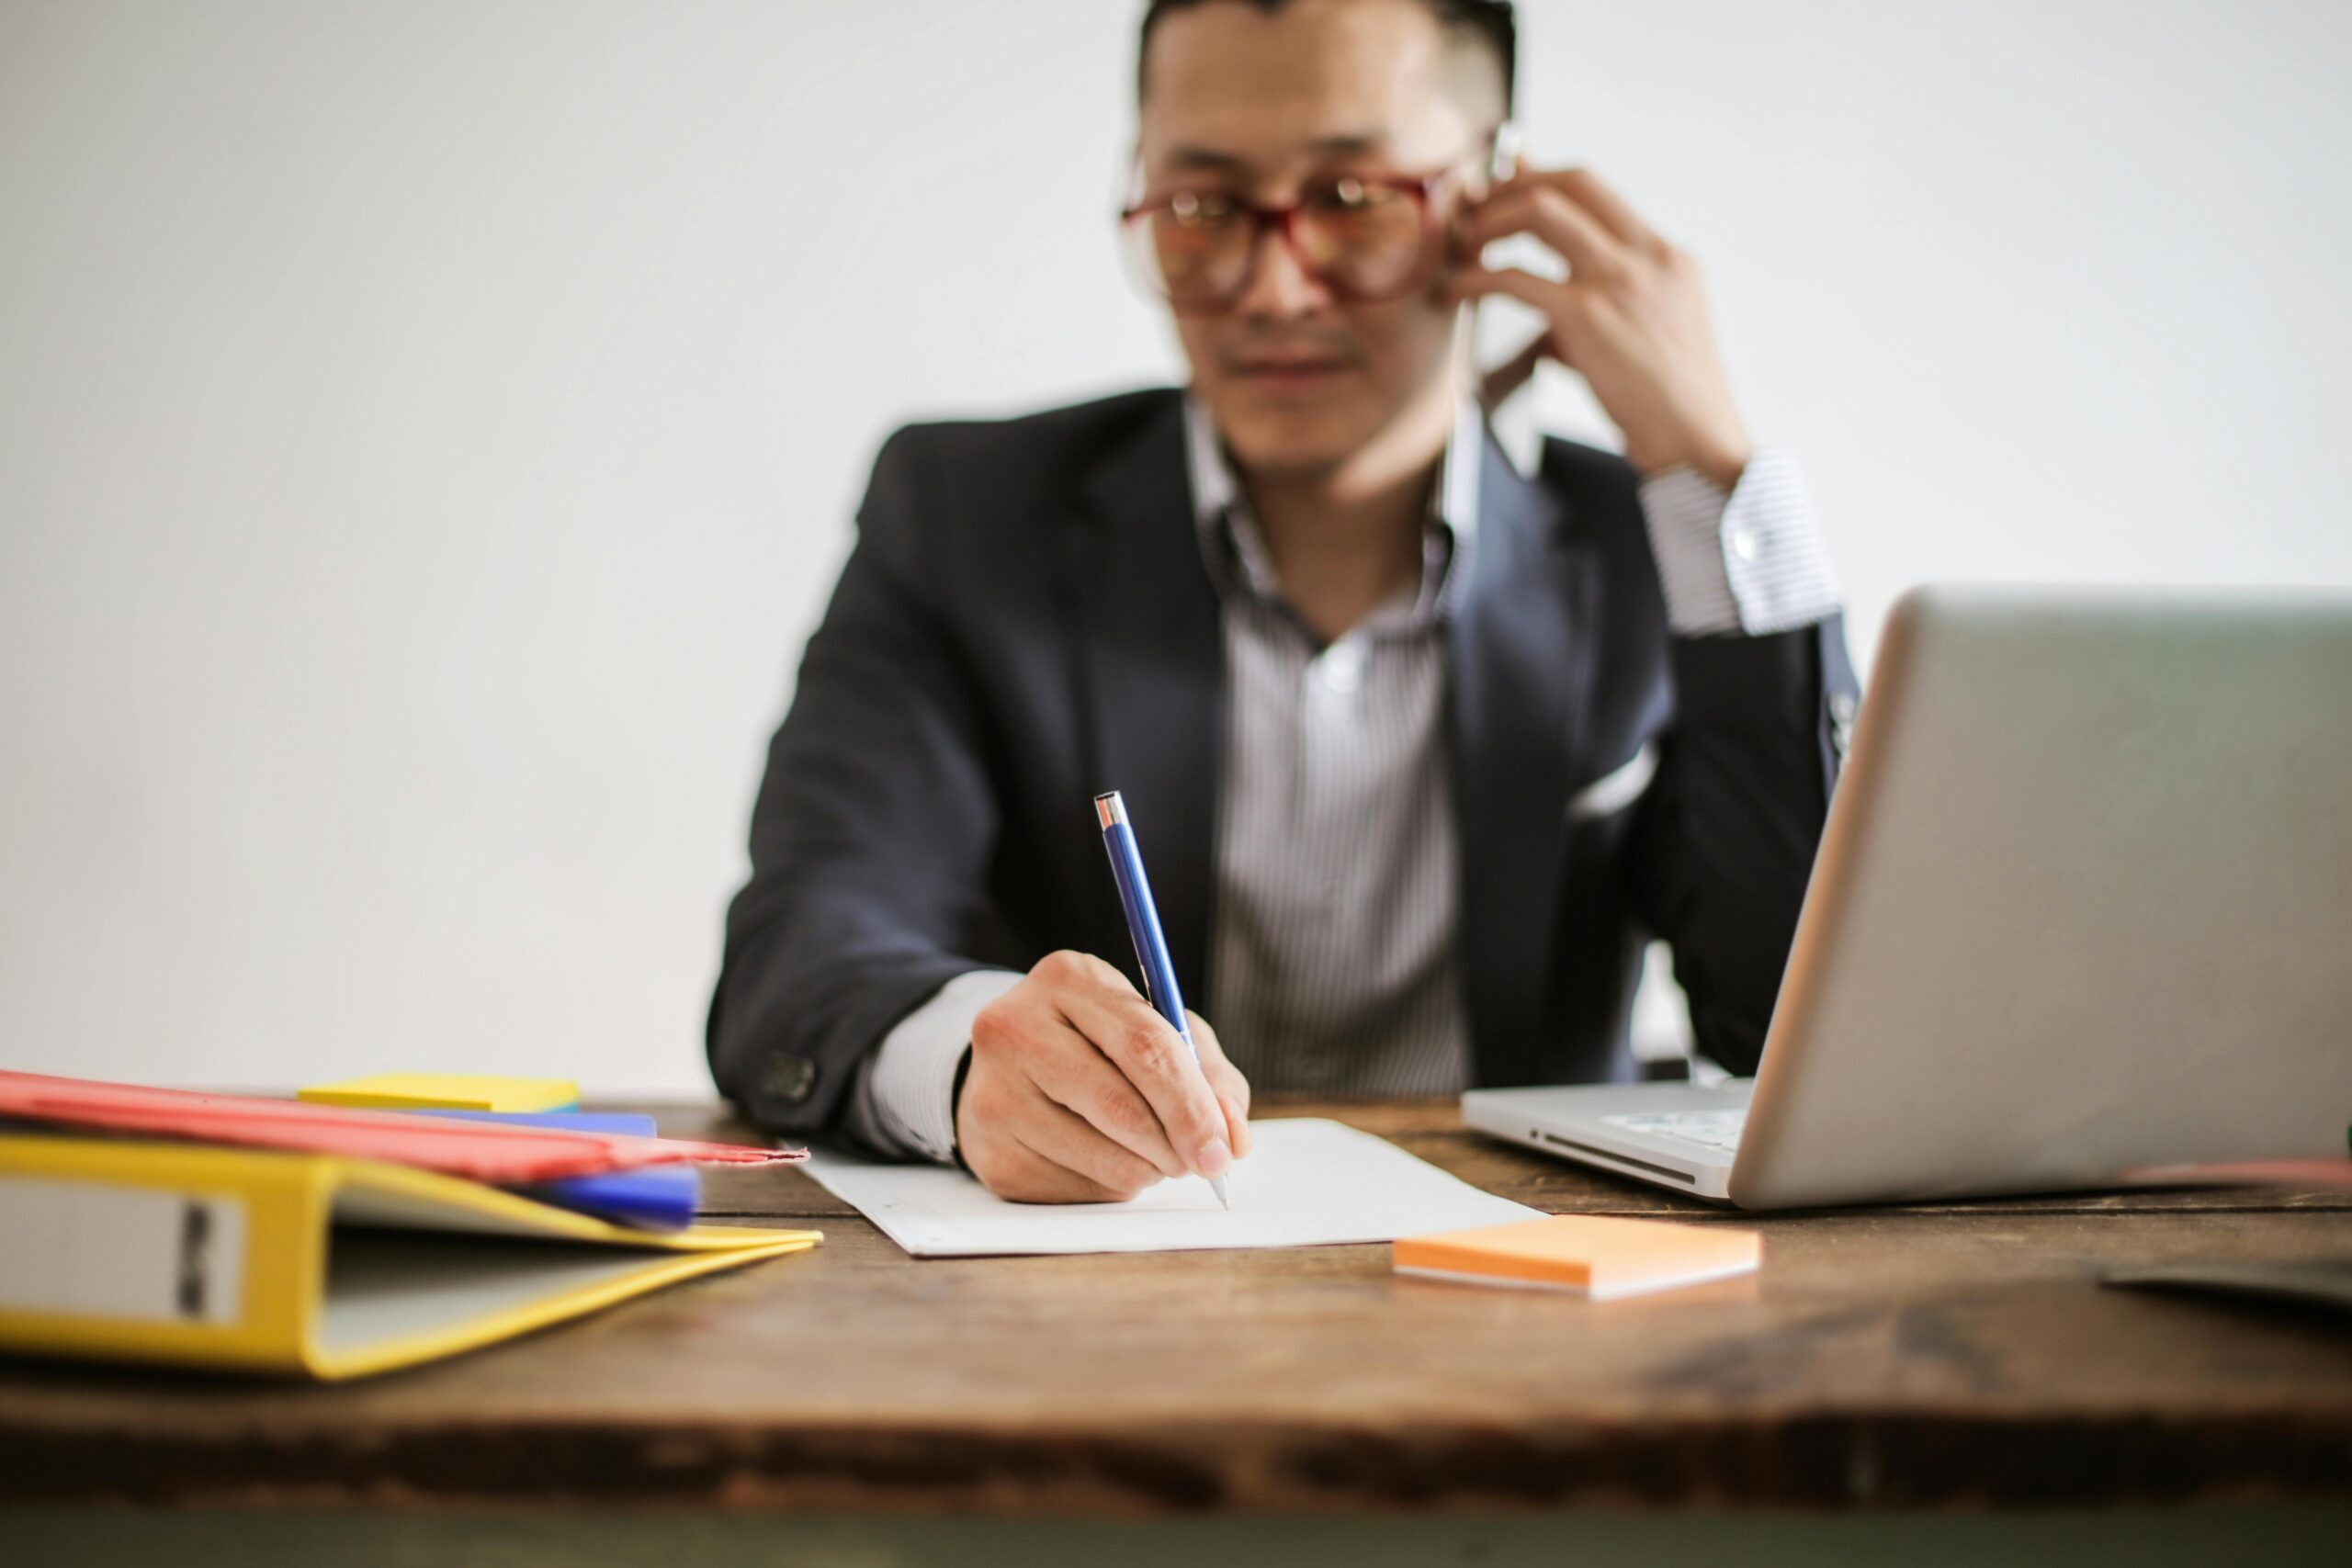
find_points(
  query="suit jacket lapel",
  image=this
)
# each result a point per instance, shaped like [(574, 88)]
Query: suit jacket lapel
[(1149, 679), (1522, 662)]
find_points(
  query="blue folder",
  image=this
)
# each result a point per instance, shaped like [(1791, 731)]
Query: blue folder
[(653, 1197)]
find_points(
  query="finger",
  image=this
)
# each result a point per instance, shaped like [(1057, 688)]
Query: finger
[(1557, 300), (1154, 1059), (1599, 198), (1081, 1081), (1555, 218), (1596, 197), (1232, 1091), (1500, 384), (1072, 1143), (1021, 1175), (1038, 1047)]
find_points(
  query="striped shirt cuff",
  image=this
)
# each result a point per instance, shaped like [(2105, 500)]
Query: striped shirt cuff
[(1751, 562), (905, 1098)]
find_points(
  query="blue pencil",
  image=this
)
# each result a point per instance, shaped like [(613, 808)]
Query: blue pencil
[(1143, 925)]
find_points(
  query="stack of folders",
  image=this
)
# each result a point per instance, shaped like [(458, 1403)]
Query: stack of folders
[(327, 1240)]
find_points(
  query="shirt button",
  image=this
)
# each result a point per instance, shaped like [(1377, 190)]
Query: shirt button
[(1341, 666), (1842, 712), (791, 1078), (1746, 545)]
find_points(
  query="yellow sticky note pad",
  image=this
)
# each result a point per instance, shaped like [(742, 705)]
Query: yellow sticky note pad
[(445, 1091), (1583, 1254)]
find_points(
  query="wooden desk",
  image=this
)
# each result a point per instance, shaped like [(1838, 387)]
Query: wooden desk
[(1884, 1360)]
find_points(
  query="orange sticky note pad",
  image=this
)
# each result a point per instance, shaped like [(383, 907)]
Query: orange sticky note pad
[(1583, 1254)]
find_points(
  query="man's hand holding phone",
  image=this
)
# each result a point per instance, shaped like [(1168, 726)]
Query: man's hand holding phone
[(1631, 317)]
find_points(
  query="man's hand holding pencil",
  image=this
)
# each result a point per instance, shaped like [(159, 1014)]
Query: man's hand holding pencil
[(1084, 1089)]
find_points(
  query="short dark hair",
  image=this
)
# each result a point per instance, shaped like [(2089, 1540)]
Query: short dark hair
[(1489, 24)]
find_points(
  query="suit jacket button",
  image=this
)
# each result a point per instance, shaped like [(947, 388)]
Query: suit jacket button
[(792, 1078)]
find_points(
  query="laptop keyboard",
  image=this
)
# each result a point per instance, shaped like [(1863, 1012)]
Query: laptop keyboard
[(1709, 1129)]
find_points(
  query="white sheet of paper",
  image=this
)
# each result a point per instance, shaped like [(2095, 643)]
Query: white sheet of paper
[(1307, 1183)]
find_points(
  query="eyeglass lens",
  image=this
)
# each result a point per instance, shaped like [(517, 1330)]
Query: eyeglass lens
[(1362, 240)]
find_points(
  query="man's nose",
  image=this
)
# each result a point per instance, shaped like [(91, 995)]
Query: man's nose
[(1279, 289)]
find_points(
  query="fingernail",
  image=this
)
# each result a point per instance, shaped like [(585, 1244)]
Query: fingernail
[(1215, 1157)]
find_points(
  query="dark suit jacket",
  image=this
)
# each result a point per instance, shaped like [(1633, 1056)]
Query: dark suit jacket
[(1026, 620)]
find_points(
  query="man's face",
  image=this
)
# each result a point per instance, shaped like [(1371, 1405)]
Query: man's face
[(1237, 101)]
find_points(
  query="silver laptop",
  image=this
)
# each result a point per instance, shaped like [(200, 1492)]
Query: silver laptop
[(2084, 905)]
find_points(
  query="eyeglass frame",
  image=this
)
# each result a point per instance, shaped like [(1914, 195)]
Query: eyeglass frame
[(1501, 145)]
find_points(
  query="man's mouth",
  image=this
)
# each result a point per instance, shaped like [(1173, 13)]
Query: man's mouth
[(1288, 371)]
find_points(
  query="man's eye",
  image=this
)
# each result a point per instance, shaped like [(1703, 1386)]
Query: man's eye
[(1198, 208), (1345, 195)]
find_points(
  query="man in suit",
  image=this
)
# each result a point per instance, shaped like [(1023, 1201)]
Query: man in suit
[(1419, 748)]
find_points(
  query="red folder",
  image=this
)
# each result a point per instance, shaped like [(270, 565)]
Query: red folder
[(499, 1153)]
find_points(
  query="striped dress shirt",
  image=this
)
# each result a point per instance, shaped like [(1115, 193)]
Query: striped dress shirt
[(1331, 960)]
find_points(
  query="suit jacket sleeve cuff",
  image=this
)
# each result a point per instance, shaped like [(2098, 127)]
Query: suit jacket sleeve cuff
[(1750, 563), (905, 1100)]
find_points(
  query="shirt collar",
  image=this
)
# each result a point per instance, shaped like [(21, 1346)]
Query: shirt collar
[(1237, 550)]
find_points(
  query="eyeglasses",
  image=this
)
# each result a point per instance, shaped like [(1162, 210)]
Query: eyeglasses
[(1367, 238)]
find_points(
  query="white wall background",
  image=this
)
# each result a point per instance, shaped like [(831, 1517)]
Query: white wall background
[(428, 429)]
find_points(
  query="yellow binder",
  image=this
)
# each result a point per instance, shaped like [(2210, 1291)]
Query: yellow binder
[(306, 1265)]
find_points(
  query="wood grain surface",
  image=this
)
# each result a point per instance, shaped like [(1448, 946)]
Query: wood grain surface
[(1954, 1355)]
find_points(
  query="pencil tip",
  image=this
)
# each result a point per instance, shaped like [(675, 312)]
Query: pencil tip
[(1216, 1185)]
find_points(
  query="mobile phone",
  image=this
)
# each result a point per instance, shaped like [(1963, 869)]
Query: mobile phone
[(1503, 160), (1478, 327)]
